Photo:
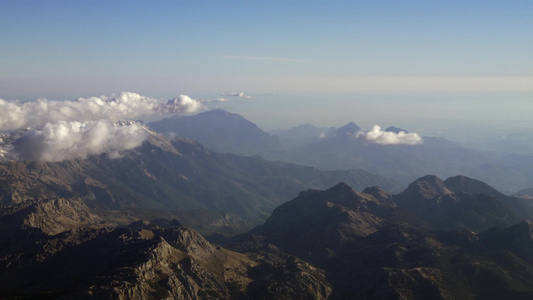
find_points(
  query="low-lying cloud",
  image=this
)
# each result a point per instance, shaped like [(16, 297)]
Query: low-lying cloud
[(68, 140), (61, 130), (126, 105), (378, 136)]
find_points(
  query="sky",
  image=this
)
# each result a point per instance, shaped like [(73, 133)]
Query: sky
[(419, 64)]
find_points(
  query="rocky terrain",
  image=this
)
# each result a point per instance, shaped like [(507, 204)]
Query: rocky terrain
[(427, 242), (127, 227), (174, 177), (61, 249), (435, 240)]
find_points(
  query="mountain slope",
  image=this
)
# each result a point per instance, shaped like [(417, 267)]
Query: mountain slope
[(521, 206), (404, 163), (141, 261), (174, 174), (430, 199), (338, 214), (220, 131), (398, 256)]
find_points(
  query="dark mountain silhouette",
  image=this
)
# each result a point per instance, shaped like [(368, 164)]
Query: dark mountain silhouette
[(521, 206), (220, 131), (338, 214), (395, 129), (371, 248), (431, 200), (525, 194), (348, 129)]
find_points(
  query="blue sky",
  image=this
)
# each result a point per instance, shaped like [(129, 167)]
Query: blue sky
[(324, 62)]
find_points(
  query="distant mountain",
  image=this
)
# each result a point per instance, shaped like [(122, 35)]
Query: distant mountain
[(525, 193), (395, 129), (220, 131), (348, 129), (520, 206), (301, 135), (339, 148), (174, 176)]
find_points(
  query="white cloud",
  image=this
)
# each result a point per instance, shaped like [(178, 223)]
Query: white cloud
[(126, 105), (378, 136), (68, 140), (239, 94), (61, 130), (181, 104)]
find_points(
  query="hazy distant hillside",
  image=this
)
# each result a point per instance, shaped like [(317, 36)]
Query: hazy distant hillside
[(220, 131), (347, 147), (341, 149), (301, 135), (222, 190)]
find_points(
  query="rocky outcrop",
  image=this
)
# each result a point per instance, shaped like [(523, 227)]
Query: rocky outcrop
[(430, 199), (315, 225), (59, 248)]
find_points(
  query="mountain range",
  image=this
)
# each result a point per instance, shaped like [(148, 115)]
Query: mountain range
[(374, 245), (323, 244), (132, 226), (340, 149), (174, 177)]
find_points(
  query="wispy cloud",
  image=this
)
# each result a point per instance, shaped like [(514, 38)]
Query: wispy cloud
[(239, 94), (265, 58)]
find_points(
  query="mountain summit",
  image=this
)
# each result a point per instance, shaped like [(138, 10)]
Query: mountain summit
[(220, 131)]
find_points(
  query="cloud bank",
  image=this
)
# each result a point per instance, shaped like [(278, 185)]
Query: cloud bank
[(126, 105), (68, 140), (61, 130), (378, 136)]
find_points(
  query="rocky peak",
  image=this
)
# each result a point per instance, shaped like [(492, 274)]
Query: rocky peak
[(52, 216), (340, 188), (395, 129), (380, 194), (427, 187), (472, 186), (350, 128)]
